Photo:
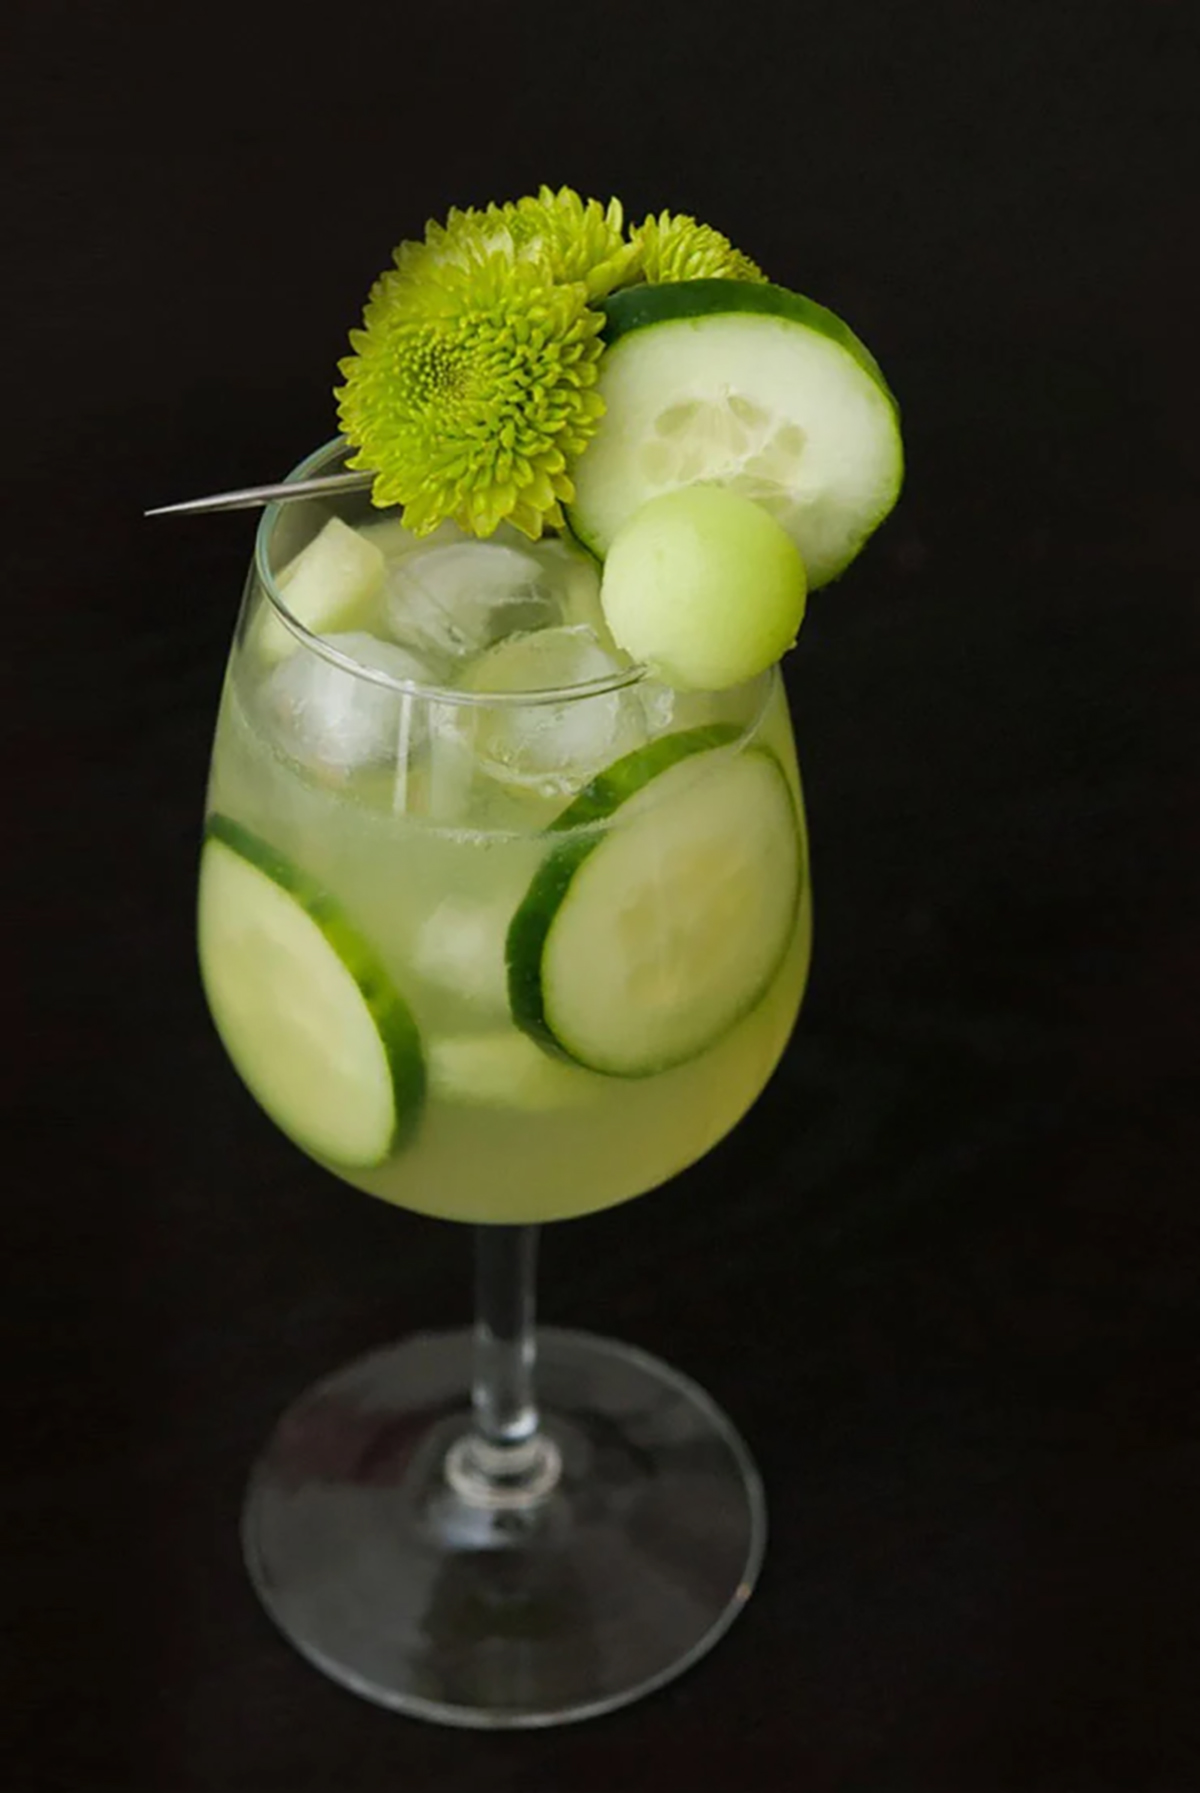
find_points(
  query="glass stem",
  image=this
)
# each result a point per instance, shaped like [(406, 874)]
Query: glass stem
[(505, 1459), (502, 1397)]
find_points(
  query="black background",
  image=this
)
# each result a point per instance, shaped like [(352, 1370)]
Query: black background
[(945, 1275)]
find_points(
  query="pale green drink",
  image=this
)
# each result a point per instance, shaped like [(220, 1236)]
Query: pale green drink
[(427, 838)]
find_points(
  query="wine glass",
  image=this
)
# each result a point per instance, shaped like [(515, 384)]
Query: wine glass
[(499, 929)]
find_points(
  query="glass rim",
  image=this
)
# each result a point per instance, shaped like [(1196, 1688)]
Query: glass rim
[(313, 464)]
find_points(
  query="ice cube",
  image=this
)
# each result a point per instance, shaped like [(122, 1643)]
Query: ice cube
[(336, 722), (460, 948), (662, 707), (575, 577), (546, 747), (393, 538), (454, 599)]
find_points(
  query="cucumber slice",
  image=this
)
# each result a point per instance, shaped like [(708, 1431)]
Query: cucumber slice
[(745, 386), (504, 1070), (304, 1008), (328, 587), (636, 948)]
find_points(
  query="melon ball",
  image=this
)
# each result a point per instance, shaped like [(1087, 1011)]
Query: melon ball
[(704, 587)]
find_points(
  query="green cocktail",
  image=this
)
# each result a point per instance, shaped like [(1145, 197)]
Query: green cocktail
[(505, 913)]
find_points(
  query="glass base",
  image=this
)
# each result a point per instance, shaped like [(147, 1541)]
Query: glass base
[(375, 1566)]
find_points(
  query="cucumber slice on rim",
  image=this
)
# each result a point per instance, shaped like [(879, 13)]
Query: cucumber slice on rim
[(750, 387), (305, 1010), (637, 947)]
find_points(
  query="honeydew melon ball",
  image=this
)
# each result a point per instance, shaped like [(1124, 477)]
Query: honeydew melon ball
[(704, 587)]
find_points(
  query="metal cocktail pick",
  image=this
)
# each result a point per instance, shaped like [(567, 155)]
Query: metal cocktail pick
[(249, 497)]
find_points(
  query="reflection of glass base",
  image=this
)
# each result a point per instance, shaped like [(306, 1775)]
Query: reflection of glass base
[(387, 1580)]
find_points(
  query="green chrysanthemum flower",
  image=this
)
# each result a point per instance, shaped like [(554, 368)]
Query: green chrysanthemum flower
[(674, 247), (573, 238), (472, 386), (580, 240)]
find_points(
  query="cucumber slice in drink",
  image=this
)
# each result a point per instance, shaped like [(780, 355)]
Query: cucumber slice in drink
[(504, 1070), (304, 1008), (639, 945), (328, 587), (749, 387)]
